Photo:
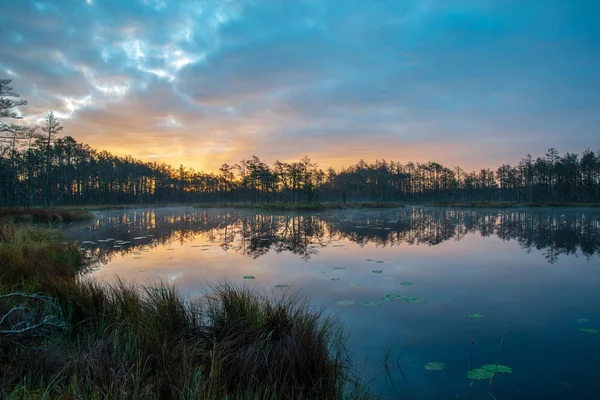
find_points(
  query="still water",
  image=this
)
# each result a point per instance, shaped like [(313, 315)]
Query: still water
[(454, 287)]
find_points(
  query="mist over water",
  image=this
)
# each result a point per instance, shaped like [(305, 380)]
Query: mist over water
[(403, 280)]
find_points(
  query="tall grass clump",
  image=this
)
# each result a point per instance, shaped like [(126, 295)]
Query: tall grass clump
[(282, 344), (63, 335), (30, 257)]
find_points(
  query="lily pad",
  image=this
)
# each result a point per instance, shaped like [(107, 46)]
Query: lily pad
[(435, 366), (414, 300), (369, 259), (392, 296), (497, 369), (475, 316), (344, 302), (339, 267), (589, 330), (378, 262), (282, 286), (372, 304), (335, 279), (249, 277), (377, 271), (406, 283), (480, 374)]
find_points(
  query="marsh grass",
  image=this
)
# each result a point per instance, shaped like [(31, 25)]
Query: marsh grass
[(128, 341), (43, 215)]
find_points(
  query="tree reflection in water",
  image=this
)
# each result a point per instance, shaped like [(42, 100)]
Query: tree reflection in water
[(555, 232)]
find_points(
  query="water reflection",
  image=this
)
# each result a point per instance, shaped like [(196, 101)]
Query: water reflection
[(460, 261), (554, 232)]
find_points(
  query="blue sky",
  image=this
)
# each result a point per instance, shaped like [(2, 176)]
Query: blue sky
[(201, 82)]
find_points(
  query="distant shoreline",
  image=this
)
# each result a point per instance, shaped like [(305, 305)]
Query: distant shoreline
[(81, 212)]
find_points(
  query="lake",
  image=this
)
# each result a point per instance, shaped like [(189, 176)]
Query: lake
[(426, 294)]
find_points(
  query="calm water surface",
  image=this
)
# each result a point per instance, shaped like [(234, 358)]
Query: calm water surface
[(533, 275)]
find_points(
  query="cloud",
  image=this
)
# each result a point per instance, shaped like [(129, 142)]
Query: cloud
[(211, 81)]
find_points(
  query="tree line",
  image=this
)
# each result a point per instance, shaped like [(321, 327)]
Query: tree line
[(38, 167)]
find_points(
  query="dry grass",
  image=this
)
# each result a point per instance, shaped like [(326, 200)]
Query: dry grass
[(129, 341)]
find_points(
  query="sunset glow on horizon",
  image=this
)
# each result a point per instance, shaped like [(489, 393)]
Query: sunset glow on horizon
[(207, 82)]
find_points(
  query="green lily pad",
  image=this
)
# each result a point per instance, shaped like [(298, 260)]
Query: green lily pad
[(475, 316), (497, 369), (369, 259), (339, 267), (435, 366), (335, 279), (282, 286), (582, 320), (377, 271), (480, 374), (406, 283), (344, 302), (392, 296), (378, 262), (249, 277), (589, 330), (372, 304), (414, 300)]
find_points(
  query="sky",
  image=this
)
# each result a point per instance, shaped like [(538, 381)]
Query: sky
[(203, 82)]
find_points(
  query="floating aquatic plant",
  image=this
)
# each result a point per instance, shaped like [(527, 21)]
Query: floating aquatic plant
[(589, 330), (480, 374), (335, 279), (378, 262), (497, 369), (414, 300), (372, 303), (435, 366), (488, 371), (249, 277), (282, 286), (475, 316), (406, 283), (377, 271), (369, 259), (339, 267), (344, 302)]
